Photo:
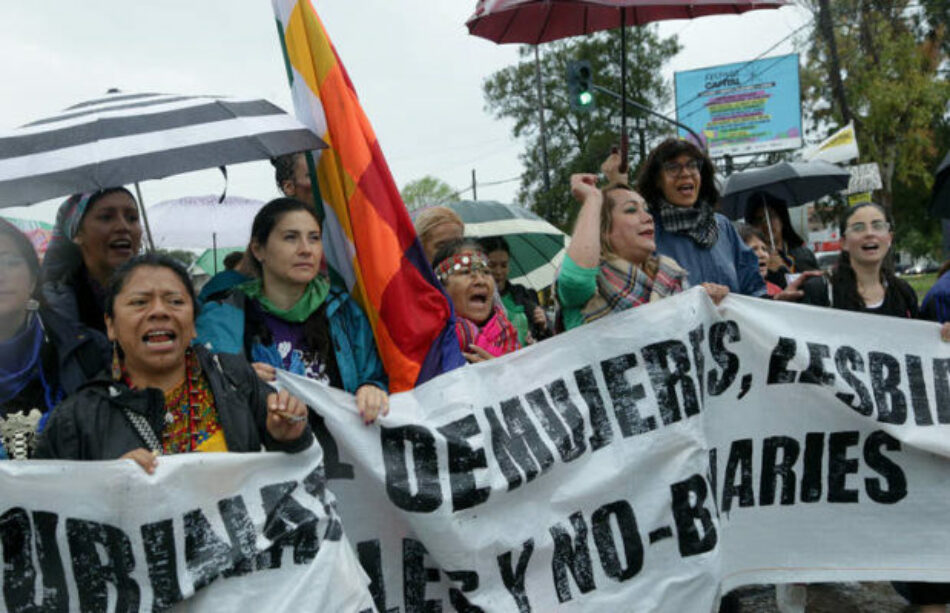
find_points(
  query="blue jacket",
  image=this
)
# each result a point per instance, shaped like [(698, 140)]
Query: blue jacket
[(221, 328), (219, 283), (936, 304), (729, 262)]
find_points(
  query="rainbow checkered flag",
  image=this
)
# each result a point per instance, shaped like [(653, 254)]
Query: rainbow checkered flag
[(369, 239)]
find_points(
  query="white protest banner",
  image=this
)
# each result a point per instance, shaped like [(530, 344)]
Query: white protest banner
[(653, 458), (206, 532), (832, 467)]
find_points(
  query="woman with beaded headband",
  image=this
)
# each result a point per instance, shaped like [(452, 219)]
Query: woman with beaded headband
[(483, 329), (163, 395)]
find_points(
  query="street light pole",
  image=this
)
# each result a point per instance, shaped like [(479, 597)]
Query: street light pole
[(647, 109), (544, 141)]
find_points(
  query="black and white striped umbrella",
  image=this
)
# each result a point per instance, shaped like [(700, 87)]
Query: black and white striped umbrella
[(126, 138)]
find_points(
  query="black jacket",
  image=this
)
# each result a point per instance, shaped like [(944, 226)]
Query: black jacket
[(529, 300), (91, 425), (802, 259), (900, 300), (65, 288), (81, 353)]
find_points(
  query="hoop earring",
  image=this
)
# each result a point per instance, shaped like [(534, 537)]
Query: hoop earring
[(116, 362)]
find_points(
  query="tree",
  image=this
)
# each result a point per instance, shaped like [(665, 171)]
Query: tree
[(879, 64), (182, 255), (577, 141), (427, 191)]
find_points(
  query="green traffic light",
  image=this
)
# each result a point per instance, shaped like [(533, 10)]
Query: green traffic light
[(585, 98)]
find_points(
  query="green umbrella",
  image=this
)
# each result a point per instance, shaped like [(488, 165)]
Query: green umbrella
[(537, 247), (212, 260)]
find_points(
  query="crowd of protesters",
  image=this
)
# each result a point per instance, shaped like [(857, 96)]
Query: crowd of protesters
[(106, 353)]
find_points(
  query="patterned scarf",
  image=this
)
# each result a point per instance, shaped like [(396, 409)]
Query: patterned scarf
[(191, 418), (20, 359), (697, 222), (622, 285), (497, 336), (69, 214)]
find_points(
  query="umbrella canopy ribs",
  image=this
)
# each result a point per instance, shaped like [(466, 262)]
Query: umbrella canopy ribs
[(126, 138)]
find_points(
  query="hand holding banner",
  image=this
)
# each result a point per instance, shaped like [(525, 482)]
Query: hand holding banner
[(208, 532), (650, 459)]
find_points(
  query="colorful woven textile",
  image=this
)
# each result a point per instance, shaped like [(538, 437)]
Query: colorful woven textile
[(191, 419), (622, 285), (369, 238), (497, 336)]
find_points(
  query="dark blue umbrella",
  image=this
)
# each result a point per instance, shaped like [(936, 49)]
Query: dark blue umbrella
[(795, 183)]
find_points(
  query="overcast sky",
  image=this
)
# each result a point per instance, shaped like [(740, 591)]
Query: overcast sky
[(416, 69)]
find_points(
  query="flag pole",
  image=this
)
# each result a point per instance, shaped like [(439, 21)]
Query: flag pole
[(311, 164)]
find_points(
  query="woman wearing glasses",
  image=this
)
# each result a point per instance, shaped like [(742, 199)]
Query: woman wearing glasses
[(677, 181), (863, 280)]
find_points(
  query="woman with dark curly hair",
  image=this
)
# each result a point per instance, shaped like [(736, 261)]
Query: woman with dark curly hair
[(678, 182)]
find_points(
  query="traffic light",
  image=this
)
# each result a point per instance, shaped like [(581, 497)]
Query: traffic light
[(580, 85)]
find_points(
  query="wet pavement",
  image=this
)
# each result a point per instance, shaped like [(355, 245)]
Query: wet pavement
[(829, 598)]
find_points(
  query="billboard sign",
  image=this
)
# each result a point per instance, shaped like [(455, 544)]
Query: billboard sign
[(743, 108)]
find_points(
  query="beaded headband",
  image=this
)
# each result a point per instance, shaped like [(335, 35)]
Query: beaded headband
[(461, 262)]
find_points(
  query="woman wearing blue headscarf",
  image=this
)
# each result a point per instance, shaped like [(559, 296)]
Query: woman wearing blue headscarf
[(35, 372)]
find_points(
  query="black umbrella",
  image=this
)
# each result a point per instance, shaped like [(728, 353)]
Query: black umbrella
[(795, 183), (126, 138), (940, 198)]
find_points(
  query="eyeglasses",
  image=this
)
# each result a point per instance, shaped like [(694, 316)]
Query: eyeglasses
[(11, 261), (878, 226), (675, 168)]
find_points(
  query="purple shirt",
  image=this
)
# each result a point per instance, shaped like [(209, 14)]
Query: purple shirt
[(291, 344)]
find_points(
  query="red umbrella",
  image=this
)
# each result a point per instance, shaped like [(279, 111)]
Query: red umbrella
[(539, 21)]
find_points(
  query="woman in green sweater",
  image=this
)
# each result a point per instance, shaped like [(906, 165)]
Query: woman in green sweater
[(610, 264)]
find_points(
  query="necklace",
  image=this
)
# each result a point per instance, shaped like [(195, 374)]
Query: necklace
[(190, 416), (182, 410)]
